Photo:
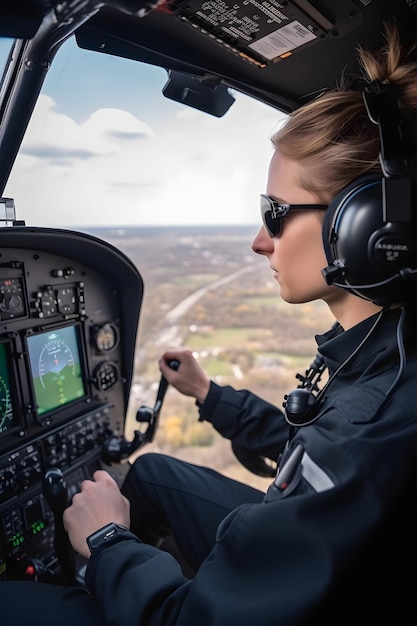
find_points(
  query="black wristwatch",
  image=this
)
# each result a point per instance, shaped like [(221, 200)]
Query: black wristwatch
[(104, 534)]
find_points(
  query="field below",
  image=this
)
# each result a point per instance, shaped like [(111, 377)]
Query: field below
[(205, 289)]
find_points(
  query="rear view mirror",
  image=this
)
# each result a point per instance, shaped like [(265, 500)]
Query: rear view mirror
[(199, 93)]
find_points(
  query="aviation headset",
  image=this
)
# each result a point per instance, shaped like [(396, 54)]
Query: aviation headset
[(370, 227), (369, 237)]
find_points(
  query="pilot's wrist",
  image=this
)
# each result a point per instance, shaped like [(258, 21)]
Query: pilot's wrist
[(104, 535)]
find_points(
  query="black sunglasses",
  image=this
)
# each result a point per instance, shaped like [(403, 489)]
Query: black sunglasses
[(272, 213)]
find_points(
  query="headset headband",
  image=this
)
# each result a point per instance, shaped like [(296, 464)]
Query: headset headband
[(396, 155)]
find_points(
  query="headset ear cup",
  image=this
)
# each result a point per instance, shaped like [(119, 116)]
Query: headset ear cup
[(333, 213), (361, 249)]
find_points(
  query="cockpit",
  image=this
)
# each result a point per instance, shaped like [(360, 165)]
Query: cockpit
[(70, 302)]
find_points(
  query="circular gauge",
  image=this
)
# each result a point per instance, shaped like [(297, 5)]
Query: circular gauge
[(66, 300), (106, 375), (105, 337), (54, 357)]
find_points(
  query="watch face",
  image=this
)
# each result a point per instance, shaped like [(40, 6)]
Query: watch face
[(103, 535)]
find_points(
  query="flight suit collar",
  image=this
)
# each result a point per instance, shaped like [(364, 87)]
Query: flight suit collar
[(336, 345)]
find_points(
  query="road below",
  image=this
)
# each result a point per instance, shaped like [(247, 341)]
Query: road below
[(170, 335)]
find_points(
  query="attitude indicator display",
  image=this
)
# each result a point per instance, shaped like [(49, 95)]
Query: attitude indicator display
[(56, 368)]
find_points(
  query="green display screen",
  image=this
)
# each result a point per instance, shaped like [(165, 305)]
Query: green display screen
[(56, 368)]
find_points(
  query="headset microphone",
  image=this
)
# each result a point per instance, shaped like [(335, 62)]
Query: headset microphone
[(403, 274)]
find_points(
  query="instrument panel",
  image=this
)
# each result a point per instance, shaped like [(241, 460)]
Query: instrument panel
[(69, 313)]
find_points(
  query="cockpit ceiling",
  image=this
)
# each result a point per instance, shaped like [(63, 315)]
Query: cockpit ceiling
[(268, 49), (283, 53)]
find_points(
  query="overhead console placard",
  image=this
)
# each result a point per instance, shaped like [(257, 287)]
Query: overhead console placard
[(261, 31)]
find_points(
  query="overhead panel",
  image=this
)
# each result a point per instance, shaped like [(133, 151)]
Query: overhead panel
[(264, 31)]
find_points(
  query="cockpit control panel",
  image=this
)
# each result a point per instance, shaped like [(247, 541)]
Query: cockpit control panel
[(69, 312)]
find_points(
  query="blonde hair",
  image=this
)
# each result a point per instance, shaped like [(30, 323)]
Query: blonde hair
[(332, 137)]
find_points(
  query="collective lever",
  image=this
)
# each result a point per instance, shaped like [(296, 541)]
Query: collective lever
[(56, 494)]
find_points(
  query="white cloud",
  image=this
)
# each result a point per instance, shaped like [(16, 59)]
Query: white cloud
[(114, 169)]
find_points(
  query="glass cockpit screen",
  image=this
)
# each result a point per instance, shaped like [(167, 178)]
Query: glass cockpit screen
[(56, 368), (7, 417)]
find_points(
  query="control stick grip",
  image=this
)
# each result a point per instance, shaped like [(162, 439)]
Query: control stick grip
[(117, 449)]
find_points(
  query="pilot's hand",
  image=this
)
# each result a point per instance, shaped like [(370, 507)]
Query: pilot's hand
[(98, 503), (190, 378)]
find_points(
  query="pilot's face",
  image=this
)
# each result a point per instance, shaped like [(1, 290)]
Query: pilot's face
[(296, 256)]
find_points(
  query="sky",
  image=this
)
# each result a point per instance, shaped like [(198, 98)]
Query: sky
[(105, 147)]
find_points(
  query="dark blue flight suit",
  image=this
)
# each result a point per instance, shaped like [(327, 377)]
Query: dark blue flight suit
[(331, 542)]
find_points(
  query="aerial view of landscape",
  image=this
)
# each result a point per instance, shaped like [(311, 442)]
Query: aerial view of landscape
[(204, 288)]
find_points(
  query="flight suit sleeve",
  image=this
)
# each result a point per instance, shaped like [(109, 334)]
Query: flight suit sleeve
[(272, 563), (255, 426), (283, 561)]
